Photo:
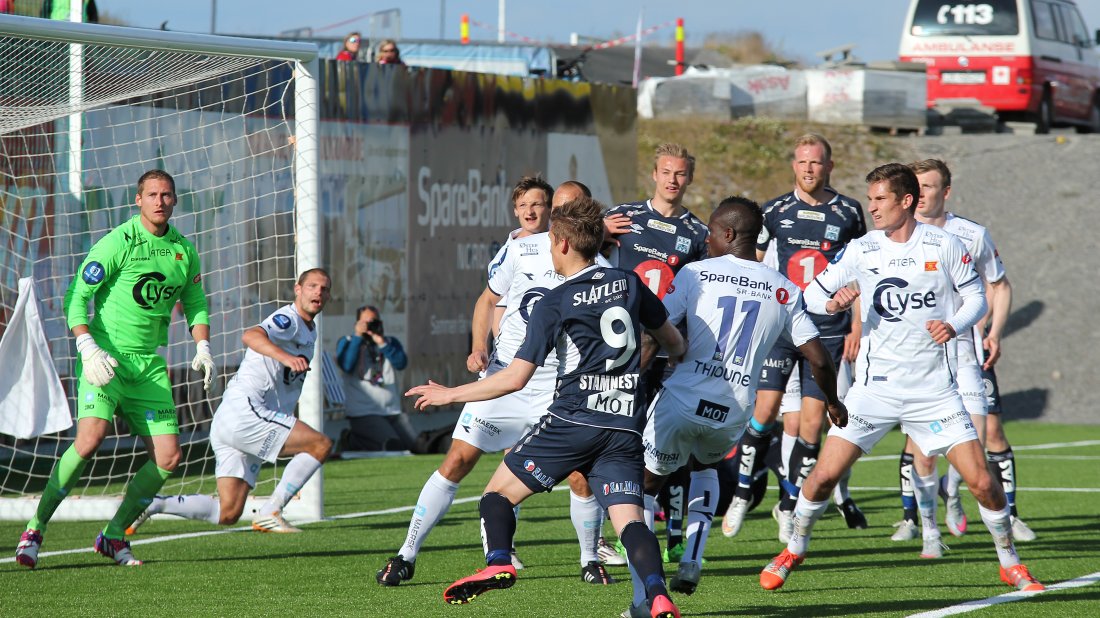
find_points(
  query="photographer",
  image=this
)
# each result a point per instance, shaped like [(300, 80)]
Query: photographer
[(370, 362)]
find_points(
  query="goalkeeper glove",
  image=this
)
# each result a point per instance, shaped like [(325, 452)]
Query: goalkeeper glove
[(204, 362), (98, 365)]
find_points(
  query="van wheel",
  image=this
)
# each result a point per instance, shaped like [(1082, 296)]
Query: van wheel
[(1044, 119), (1094, 120)]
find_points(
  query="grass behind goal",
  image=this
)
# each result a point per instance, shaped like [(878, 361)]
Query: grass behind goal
[(329, 569)]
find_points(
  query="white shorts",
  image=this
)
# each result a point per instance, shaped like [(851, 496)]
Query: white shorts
[(792, 397), (972, 389), (244, 434), (671, 437), (497, 424), (936, 423)]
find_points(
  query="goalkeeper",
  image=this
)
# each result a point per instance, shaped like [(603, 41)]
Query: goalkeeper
[(135, 274)]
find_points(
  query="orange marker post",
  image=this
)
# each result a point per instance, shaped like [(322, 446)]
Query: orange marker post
[(680, 46), (464, 29)]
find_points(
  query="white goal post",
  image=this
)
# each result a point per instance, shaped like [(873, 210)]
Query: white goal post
[(85, 109)]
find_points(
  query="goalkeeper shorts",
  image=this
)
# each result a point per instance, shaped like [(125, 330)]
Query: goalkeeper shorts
[(140, 392)]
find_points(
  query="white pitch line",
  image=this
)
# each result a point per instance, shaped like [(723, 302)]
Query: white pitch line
[(969, 606), (1072, 490), (1025, 447)]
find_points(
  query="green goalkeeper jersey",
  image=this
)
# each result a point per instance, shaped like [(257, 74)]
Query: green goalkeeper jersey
[(136, 278)]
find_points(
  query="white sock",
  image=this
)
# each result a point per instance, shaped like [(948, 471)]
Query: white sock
[(786, 445), (702, 502), (806, 514), (840, 492), (1000, 526), (924, 490), (435, 498), (587, 519), (295, 474), (193, 506), (650, 503), (952, 482)]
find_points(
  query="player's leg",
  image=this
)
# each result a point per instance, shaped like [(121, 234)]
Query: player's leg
[(870, 418), (90, 432), (999, 455), (925, 483), (907, 528), (752, 453), (587, 518), (309, 449), (972, 391)]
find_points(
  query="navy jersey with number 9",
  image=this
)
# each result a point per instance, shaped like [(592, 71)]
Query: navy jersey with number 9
[(594, 321)]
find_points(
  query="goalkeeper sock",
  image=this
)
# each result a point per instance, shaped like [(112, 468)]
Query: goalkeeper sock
[(434, 501), (139, 494), (64, 476), (295, 474), (194, 506)]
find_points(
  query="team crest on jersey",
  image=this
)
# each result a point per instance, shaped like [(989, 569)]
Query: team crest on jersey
[(683, 244), (93, 273), (811, 215), (661, 226), (782, 295), (832, 232), (179, 257), (281, 321)]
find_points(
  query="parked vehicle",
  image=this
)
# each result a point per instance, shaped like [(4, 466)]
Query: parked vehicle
[(1031, 60)]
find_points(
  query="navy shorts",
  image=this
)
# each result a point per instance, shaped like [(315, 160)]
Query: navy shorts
[(612, 460), (781, 360), (992, 392)]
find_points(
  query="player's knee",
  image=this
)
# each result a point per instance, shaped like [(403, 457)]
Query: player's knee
[(168, 461), (230, 514), (458, 462), (579, 485), (321, 448), (982, 485)]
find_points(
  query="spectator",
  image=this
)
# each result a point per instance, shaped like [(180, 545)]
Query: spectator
[(388, 53), (370, 361), (351, 47)]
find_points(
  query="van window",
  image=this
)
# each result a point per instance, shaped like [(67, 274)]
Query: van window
[(1044, 20), (943, 17), (1075, 26)]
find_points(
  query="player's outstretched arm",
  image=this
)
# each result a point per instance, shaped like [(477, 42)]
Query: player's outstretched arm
[(257, 340), (821, 364), (508, 380)]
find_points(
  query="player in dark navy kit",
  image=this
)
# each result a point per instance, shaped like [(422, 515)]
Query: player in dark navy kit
[(810, 226), (594, 319), (655, 239)]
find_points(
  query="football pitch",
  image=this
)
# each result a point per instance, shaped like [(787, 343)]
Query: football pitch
[(196, 569)]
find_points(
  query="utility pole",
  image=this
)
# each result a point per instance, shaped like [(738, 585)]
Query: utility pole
[(213, 16), (500, 20)]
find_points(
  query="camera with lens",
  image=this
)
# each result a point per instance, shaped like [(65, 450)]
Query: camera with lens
[(375, 326)]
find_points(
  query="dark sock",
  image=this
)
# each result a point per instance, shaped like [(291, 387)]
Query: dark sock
[(499, 521), (1003, 467), (753, 451), (803, 459), (905, 480), (677, 488), (645, 556)]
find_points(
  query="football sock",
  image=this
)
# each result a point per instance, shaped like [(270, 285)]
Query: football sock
[(64, 476), (650, 503), (139, 493), (924, 487), (806, 514), (498, 523), (840, 492), (645, 558), (702, 502), (951, 485), (786, 445), (435, 498), (194, 506), (1003, 466), (802, 461), (752, 451), (677, 488), (1000, 526), (295, 474), (587, 519), (905, 476)]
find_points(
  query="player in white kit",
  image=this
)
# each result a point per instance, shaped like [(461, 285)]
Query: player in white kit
[(735, 309), (255, 421), (921, 289)]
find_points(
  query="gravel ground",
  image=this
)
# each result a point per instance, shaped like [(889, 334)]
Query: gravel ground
[(1032, 192)]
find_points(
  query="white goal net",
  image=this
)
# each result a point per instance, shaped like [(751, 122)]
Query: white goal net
[(84, 111)]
